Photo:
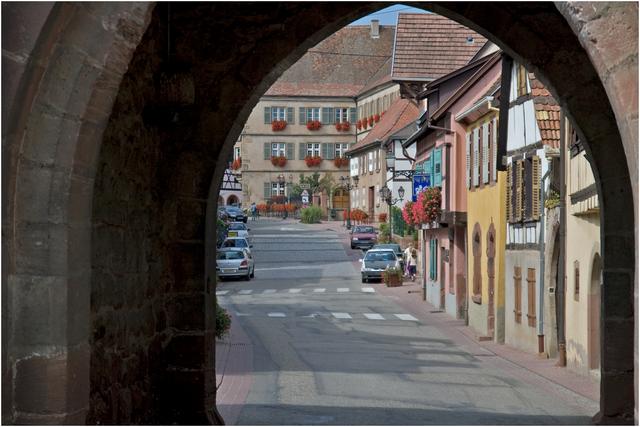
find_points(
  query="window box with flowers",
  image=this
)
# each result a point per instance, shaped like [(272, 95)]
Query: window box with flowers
[(376, 118), (278, 125), (340, 162), (427, 209), (237, 164), (343, 126), (278, 161), (359, 124), (314, 125), (371, 121), (364, 123), (312, 161)]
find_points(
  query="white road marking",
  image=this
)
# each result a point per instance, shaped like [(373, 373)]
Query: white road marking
[(222, 292), (240, 314), (406, 317), (277, 315), (294, 290), (319, 290), (245, 291), (373, 316), (304, 267), (341, 315), (343, 289), (368, 290), (269, 291)]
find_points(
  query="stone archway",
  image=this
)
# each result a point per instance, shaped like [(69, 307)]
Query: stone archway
[(232, 200), (63, 75)]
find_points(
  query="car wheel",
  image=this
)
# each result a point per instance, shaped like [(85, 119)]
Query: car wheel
[(364, 280), (245, 220), (253, 273), (353, 247)]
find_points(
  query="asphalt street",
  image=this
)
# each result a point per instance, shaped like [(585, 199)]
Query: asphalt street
[(328, 349)]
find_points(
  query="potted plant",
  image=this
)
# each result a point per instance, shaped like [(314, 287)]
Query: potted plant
[(340, 161), (314, 125), (278, 161), (392, 276), (313, 160), (237, 163), (278, 125)]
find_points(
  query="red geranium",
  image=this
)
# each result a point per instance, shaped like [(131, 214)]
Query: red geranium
[(376, 118), (278, 160), (314, 125), (278, 125), (237, 163), (313, 160), (371, 121)]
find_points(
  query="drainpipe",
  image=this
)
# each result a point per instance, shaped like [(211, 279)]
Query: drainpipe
[(541, 287), (560, 291)]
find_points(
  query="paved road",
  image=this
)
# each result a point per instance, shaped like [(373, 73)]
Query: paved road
[(328, 349)]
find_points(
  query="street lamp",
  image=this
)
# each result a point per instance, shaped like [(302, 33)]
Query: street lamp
[(387, 196), (345, 183), (289, 188)]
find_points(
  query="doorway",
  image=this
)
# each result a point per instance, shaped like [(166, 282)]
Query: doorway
[(372, 201), (594, 313)]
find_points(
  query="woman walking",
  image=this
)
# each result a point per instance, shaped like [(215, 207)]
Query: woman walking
[(412, 260)]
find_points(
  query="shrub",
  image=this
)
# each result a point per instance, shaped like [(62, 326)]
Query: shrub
[(223, 321), (311, 215), (385, 235)]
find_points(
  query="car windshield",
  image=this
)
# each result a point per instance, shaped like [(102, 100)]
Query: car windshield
[(235, 243), (237, 226), (363, 230), (395, 248), (380, 256), (230, 255)]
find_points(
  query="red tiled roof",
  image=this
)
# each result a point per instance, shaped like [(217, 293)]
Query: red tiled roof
[(547, 112), (340, 65), (400, 113), (429, 46)]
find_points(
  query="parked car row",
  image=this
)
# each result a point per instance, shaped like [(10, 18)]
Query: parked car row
[(378, 256), (233, 256)]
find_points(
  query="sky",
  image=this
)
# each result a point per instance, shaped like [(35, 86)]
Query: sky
[(388, 15)]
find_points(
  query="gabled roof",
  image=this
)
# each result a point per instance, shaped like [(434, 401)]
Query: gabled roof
[(401, 113), (341, 65), (547, 112), (429, 46)]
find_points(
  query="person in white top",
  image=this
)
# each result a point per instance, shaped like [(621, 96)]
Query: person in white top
[(412, 261), (407, 255)]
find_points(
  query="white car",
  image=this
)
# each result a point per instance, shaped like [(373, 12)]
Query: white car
[(234, 262), (238, 229), (237, 242)]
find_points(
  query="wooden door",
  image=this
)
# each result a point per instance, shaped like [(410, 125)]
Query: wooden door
[(372, 202)]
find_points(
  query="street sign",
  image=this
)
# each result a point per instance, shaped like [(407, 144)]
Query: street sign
[(305, 199), (305, 193), (305, 186), (420, 182)]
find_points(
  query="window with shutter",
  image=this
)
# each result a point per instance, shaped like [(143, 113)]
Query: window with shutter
[(475, 159), (469, 160), (536, 182), (352, 115), (290, 116), (290, 151), (517, 210), (302, 150), (494, 152), (509, 193), (485, 153), (522, 80), (531, 297), (267, 150), (327, 112), (517, 293), (267, 115), (528, 189), (437, 167), (428, 170), (267, 190), (331, 151), (302, 115), (313, 114)]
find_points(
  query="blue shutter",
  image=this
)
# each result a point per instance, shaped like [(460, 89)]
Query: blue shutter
[(267, 115), (437, 167), (428, 169)]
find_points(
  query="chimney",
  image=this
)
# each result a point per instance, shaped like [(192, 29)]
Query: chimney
[(375, 29)]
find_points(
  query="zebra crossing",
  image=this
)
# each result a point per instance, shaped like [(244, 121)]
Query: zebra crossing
[(334, 315), (230, 292)]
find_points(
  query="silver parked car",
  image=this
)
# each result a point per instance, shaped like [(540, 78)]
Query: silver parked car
[(237, 242), (376, 261), (234, 262), (238, 229)]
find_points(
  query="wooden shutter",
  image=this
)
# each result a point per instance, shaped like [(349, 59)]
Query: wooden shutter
[(519, 188), (536, 182), (331, 151), (527, 189), (517, 293), (326, 113), (428, 169), (476, 155), (531, 297), (509, 193), (352, 116), (494, 150), (267, 115), (267, 150), (485, 154), (290, 116), (437, 167), (469, 160), (290, 151), (302, 147), (302, 115), (267, 190)]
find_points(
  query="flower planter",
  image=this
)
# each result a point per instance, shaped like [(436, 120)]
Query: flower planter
[(392, 277), (312, 161), (340, 162), (280, 161), (314, 125), (237, 163), (278, 125)]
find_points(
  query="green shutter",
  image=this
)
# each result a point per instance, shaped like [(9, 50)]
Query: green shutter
[(303, 150), (290, 149), (352, 115), (325, 115), (331, 151), (267, 150), (290, 117), (437, 167), (427, 168), (267, 115), (302, 115), (267, 190)]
